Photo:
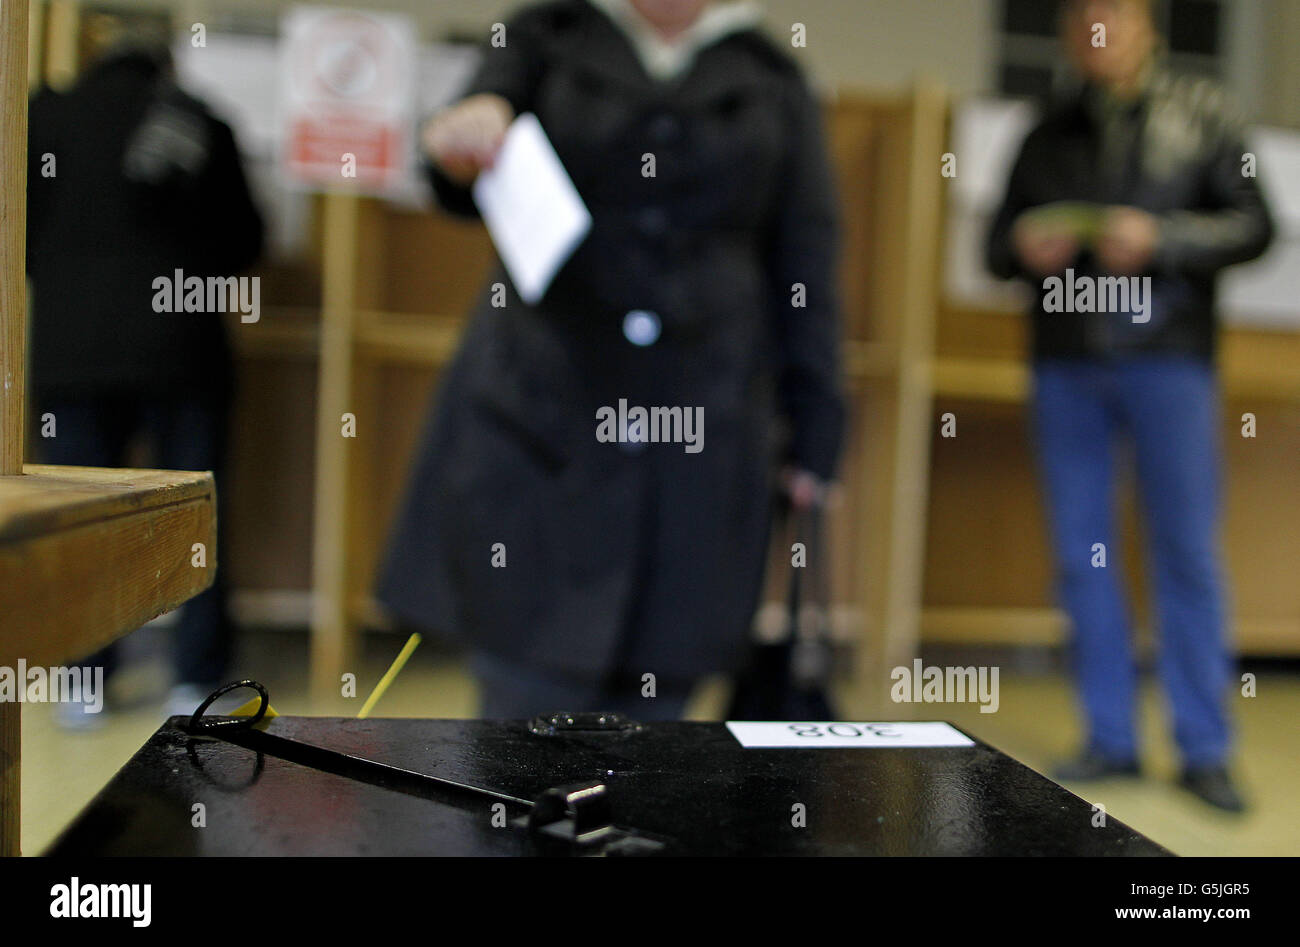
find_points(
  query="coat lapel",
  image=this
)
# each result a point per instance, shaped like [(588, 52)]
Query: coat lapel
[(605, 54)]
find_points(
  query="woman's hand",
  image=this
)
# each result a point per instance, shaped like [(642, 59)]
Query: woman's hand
[(1044, 248), (1129, 240), (464, 139), (805, 489)]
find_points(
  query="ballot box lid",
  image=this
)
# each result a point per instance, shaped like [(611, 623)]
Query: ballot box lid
[(341, 786)]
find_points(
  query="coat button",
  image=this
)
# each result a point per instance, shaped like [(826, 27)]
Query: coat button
[(641, 327), (665, 128), (653, 221)]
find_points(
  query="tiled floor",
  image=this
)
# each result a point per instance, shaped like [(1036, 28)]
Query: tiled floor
[(1035, 723)]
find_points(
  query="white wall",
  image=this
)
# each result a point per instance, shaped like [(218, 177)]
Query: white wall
[(858, 42), (877, 43)]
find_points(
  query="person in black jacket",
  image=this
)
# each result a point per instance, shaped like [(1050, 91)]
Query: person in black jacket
[(130, 180), (1125, 203), (592, 575)]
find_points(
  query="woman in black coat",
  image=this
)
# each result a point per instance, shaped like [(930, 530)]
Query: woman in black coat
[(586, 573)]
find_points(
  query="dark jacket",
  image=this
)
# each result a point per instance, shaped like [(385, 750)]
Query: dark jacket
[(621, 559), (96, 241), (1180, 158)]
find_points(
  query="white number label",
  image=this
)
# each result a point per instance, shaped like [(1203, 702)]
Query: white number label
[(753, 735)]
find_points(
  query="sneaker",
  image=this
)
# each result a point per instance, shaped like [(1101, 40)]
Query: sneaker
[(1091, 765), (1213, 784), (75, 716)]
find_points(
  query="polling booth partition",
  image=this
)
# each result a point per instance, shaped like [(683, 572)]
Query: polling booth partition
[(86, 554)]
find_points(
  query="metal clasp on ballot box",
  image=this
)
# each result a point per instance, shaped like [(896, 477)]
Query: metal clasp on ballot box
[(576, 818), (580, 814)]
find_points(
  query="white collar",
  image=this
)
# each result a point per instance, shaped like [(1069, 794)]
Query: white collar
[(666, 60)]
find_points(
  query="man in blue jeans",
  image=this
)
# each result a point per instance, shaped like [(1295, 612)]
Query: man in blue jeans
[(1125, 203)]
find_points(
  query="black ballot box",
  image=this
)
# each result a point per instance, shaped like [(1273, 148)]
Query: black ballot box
[(583, 785)]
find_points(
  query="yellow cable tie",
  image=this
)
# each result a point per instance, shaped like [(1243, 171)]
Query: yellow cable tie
[(412, 643), (250, 708)]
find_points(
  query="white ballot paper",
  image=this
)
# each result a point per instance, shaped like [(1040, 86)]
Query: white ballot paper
[(531, 208)]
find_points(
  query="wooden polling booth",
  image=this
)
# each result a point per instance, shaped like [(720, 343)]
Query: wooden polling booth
[(935, 540), (85, 554)]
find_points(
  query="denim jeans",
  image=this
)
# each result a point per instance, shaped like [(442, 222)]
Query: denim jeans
[(1167, 409), (184, 433)]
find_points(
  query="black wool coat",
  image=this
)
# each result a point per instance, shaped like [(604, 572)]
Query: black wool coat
[(96, 241), (633, 558)]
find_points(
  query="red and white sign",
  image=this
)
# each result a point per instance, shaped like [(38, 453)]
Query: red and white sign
[(348, 97)]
